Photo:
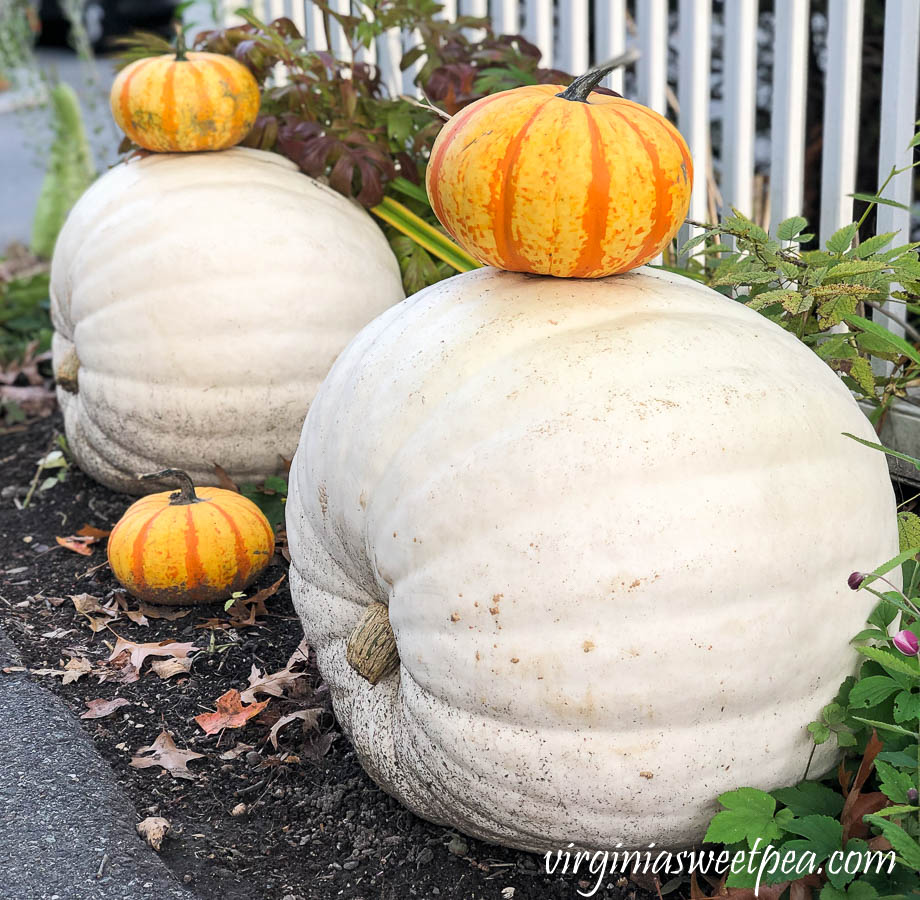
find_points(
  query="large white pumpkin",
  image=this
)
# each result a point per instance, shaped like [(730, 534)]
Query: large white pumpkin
[(613, 522), (205, 296)]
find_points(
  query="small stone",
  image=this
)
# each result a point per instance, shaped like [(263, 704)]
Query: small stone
[(458, 846), (350, 865), (425, 856), (238, 810), (253, 758), (187, 878), (507, 893)]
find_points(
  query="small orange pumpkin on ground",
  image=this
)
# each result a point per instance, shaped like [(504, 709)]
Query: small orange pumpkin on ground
[(181, 547), (557, 181), (187, 102)]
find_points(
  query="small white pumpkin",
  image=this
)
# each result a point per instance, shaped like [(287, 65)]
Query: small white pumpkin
[(198, 301), (612, 521)]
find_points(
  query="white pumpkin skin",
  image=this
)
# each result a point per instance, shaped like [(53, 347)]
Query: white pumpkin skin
[(206, 295), (613, 520)]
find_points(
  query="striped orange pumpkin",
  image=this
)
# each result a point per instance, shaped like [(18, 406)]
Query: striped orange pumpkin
[(186, 102), (559, 181), (182, 547)]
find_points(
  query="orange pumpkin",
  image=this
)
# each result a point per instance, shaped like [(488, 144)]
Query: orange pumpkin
[(186, 102), (560, 181), (184, 547)]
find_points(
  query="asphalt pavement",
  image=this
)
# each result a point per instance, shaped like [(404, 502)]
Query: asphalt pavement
[(67, 830)]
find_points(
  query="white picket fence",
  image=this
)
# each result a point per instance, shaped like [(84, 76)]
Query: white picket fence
[(561, 29)]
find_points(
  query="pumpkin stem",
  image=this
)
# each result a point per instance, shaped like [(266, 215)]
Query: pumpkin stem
[(186, 494), (180, 44), (580, 88), (371, 649)]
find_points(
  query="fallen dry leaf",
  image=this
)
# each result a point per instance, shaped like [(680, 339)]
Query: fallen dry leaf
[(153, 829), (166, 668), (139, 652), (135, 615), (224, 480), (171, 613), (309, 717), (164, 752), (245, 610), (76, 668), (81, 545), (230, 713), (300, 656), (87, 603), (237, 751), (93, 532), (274, 684), (99, 709)]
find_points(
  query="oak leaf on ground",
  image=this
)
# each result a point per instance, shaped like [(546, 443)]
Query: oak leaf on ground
[(309, 717), (273, 683), (230, 713), (139, 652), (99, 709), (76, 668), (164, 752)]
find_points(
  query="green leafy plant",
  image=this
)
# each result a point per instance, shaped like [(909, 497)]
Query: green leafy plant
[(69, 173), (825, 296), (871, 802), (337, 120), (270, 497)]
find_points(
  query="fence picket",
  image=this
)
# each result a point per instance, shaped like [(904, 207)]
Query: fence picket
[(652, 67), (790, 83), (506, 16), (739, 77), (538, 28), (567, 43), (841, 114), (694, 38), (899, 103), (610, 31)]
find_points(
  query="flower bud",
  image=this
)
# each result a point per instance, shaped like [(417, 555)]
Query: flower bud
[(907, 643), (856, 579), (913, 795)]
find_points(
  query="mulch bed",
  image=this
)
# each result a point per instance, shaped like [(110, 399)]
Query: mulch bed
[(313, 825)]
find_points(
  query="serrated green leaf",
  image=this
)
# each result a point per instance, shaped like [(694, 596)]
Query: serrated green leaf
[(841, 239), (874, 198), (884, 726), (893, 783), (748, 815), (890, 662), (908, 530), (867, 634), (834, 310), (906, 707), (789, 228), (834, 714), (845, 739), (857, 267), (819, 732), (810, 798), (860, 370), (823, 833), (907, 849), (869, 692), (897, 810), (873, 244)]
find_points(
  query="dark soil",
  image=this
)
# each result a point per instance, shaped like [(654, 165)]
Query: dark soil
[(314, 824)]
